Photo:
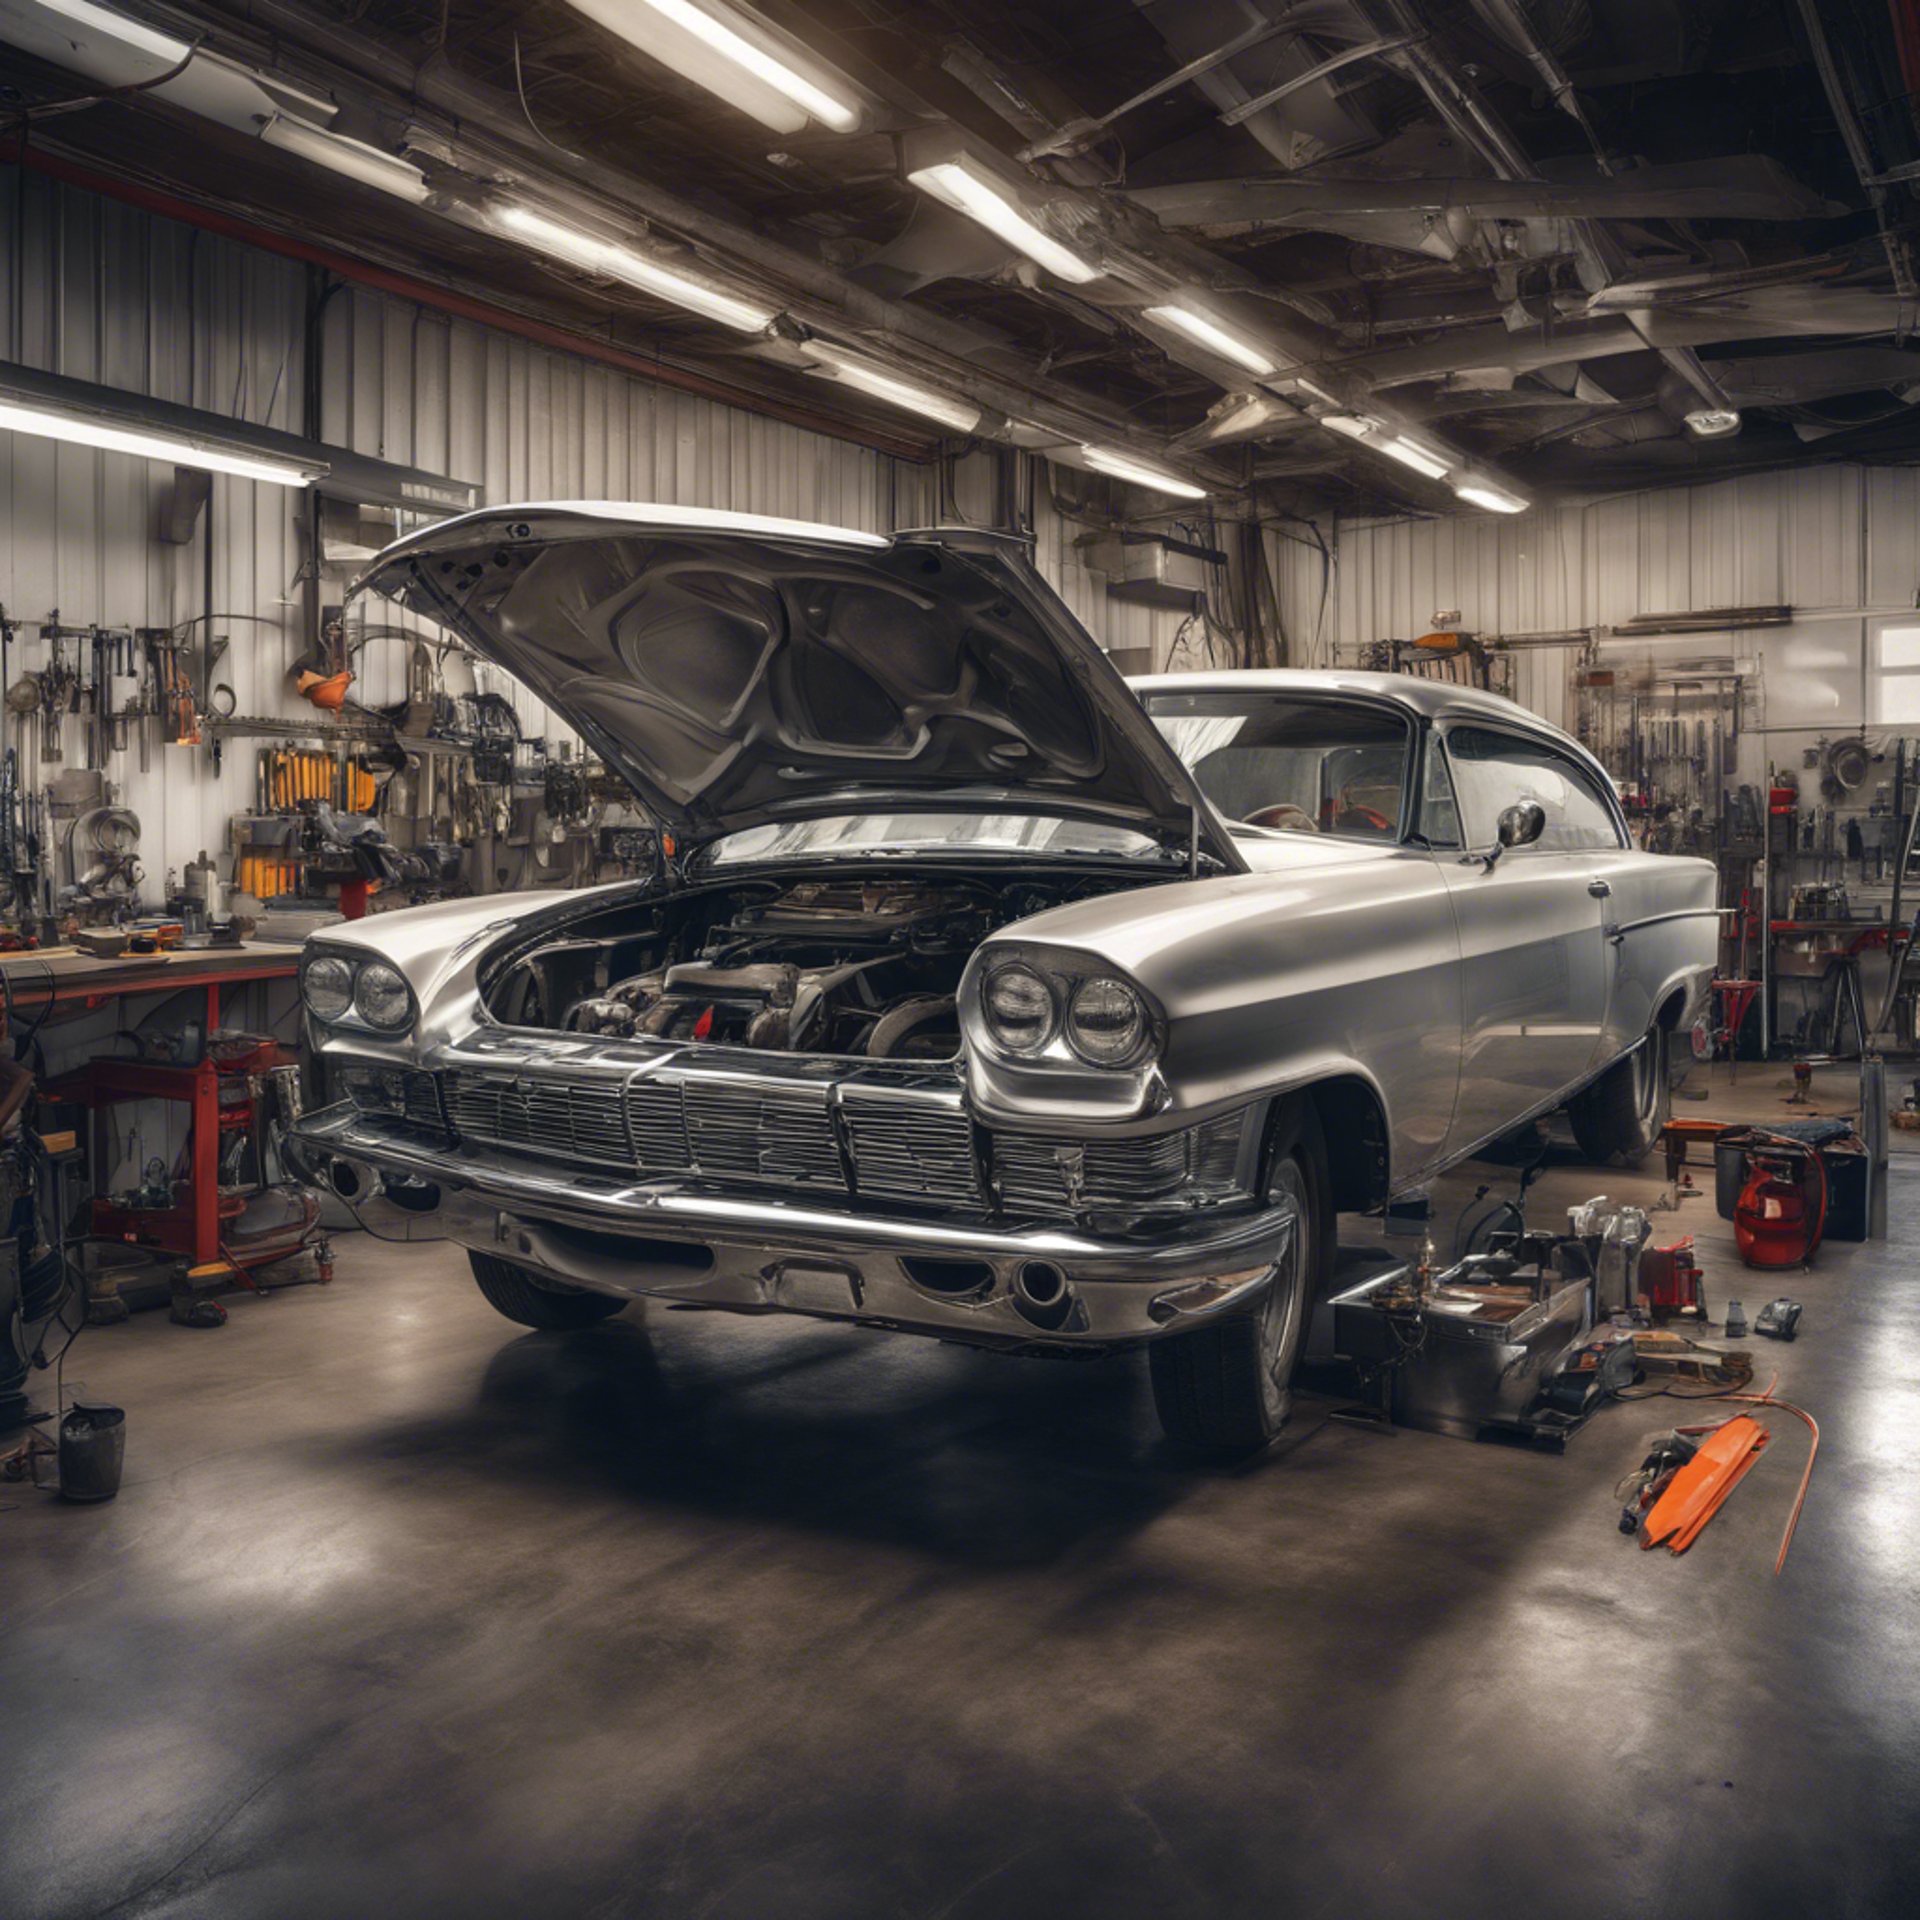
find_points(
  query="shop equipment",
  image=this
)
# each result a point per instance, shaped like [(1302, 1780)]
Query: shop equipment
[(1781, 1213), (1700, 1488), (1480, 1347)]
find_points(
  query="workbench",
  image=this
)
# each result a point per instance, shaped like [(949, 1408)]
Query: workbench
[(78, 980), (40, 985)]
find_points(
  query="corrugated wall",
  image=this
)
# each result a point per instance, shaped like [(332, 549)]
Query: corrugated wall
[(102, 292), (1839, 544)]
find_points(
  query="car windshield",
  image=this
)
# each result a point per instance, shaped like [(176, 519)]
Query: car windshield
[(1281, 761), (849, 835)]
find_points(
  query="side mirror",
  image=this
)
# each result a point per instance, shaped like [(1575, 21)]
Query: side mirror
[(1521, 826)]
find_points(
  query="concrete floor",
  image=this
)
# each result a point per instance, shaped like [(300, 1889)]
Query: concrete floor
[(404, 1611)]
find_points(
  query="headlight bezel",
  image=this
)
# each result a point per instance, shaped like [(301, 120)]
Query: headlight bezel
[(311, 969), (366, 972), (1065, 973), (353, 1017), (1050, 994), (1138, 1038)]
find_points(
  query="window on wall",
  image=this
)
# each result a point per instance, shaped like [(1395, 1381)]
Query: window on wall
[(1896, 676)]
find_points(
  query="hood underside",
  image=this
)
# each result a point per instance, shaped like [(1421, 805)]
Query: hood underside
[(737, 671)]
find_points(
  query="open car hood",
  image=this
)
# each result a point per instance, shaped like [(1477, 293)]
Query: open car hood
[(738, 670)]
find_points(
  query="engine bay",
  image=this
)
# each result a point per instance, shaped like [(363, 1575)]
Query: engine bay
[(850, 965)]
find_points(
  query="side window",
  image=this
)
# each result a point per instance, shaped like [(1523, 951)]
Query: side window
[(1493, 771), (1439, 819)]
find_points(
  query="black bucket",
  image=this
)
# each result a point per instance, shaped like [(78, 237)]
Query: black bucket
[(93, 1445)]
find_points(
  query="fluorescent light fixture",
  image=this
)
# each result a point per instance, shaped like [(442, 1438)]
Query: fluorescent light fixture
[(83, 430), (354, 158), (116, 26), (638, 22), (1214, 337), (1356, 426), (960, 415), (622, 263), (1123, 466), (1318, 393), (955, 183), (1240, 414), (1713, 423), (1410, 454), (1483, 493)]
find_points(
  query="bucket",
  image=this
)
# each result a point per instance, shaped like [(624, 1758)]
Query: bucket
[(93, 1445)]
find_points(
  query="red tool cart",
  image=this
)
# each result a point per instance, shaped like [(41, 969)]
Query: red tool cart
[(204, 1221)]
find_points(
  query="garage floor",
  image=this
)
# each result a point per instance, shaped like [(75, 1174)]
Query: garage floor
[(404, 1611)]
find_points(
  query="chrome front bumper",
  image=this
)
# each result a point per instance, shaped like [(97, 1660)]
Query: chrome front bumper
[(670, 1240)]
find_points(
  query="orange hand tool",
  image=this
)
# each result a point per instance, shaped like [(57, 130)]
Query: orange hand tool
[(1696, 1492)]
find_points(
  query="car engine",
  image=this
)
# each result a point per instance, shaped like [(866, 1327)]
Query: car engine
[(854, 967)]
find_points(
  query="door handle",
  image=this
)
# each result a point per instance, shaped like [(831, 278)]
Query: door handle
[(1600, 889)]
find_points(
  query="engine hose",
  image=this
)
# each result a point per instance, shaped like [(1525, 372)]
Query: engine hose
[(899, 1022)]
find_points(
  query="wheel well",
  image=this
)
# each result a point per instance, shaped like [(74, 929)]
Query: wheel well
[(1355, 1126), (1671, 1008)]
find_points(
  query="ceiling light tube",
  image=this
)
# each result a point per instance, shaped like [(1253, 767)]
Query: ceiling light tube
[(958, 186), (1123, 466), (86, 430), (1214, 337), (1410, 454), (638, 22), (960, 415), (354, 158), (1356, 426), (595, 255), (120, 29), (1478, 492)]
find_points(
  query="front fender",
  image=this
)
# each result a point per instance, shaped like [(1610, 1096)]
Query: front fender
[(1347, 965)]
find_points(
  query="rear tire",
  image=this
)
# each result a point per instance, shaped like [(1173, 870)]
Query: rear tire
[(1225, 1389), (516, 1293), (1617, 1120)]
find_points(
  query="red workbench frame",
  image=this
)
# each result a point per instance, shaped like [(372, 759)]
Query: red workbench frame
[(65, 980)]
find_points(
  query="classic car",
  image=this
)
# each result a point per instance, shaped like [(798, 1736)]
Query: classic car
[(973, 992)]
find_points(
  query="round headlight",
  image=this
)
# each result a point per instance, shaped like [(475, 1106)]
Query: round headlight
[(1020, 1008), (380, 997), (1107, 1022), (327, 988)]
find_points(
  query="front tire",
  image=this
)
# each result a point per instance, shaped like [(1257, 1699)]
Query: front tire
[(1617, 1120), (516, 1293), (1226, 1389)]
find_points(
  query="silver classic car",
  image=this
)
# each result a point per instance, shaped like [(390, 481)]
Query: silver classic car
[(976, 993)]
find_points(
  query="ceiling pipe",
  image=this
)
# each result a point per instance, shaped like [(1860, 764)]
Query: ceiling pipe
[(1456, 98), (1738, 187), (1855, 140)]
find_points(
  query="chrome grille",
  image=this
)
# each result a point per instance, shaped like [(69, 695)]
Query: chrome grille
[(657, 1126), (914, 1150), (1058, 1179), (780, 1136), (571, 1119), (423, 1101)]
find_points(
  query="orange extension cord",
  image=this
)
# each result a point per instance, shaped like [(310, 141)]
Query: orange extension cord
[(1813, 1427)]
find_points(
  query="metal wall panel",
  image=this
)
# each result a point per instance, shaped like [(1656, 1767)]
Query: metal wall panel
[(1840, 544), (103, 292)]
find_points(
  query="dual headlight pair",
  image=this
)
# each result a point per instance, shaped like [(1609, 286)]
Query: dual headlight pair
[(335, 988), (1104, 1021)]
